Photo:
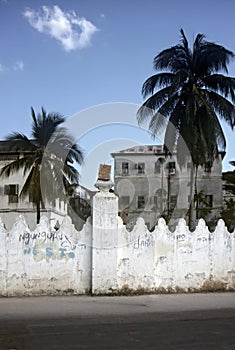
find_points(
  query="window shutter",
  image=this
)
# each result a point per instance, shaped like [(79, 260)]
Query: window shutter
[(6, 190)]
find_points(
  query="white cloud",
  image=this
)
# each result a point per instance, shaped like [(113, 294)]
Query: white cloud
[(19, 66), (71, 31)]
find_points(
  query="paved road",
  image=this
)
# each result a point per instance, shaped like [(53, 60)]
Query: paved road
[(186, 321)]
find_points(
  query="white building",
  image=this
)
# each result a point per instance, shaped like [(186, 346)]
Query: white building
[(151, 185), (11, 204)]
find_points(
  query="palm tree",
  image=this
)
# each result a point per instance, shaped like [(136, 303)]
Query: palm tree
[(47, 160), (187, 98)]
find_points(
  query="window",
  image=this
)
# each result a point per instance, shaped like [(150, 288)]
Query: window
[(124, 202), (171, 168), (157, 169), (140, 202), (173, 202), (189, 165), (208, 167), (159, 165), (140, 168), (12, 192), (209, 199), (155, 202), (125, 168)]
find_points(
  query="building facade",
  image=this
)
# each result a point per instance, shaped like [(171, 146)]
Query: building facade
[(151, 185), (77, 206), (80, 203), (12, 205)]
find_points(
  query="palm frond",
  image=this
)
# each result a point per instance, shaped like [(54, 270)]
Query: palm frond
[(32, 183), (13, 167), (33, 115), (211, 133), (17, 136), (152, 104), (71, 173), (44, 125), (156, 81), (170, 138), (222, 106), (209, 58), (46, 160), (168, 106), (221, 84), (75, 154), (172, 59), (157, 124), (198, 42), (184, 40), (173, 129)]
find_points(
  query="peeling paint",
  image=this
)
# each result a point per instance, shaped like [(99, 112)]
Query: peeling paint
[(44, 261), (108, 259)]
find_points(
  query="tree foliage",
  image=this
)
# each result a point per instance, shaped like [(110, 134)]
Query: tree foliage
[(46, 159), (186, 99), (188, 96)]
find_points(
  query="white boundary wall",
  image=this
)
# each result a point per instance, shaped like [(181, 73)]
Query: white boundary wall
[(45, 261), (179, 260), (104, 257)]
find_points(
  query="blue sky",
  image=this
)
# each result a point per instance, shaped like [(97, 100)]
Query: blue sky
[(70, 56)]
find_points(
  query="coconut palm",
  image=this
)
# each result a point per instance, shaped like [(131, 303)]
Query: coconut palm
[(47, 159), (187, 98)]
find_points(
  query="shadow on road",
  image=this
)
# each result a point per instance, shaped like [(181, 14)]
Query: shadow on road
[(206, 329)]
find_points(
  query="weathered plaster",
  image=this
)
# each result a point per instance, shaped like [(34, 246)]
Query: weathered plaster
[(44, 261), (105, 257)]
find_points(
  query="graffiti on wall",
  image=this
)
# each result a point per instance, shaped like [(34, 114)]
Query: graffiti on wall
[(48, 253), (54, 236), (51, 245), (144, 242)]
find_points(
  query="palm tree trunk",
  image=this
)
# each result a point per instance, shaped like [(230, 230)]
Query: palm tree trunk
[(191, 198), (196, 195), (161, 204), (168, 192), (38, 211)]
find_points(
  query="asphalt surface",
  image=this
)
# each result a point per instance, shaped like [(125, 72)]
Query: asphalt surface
[(182, 321)]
